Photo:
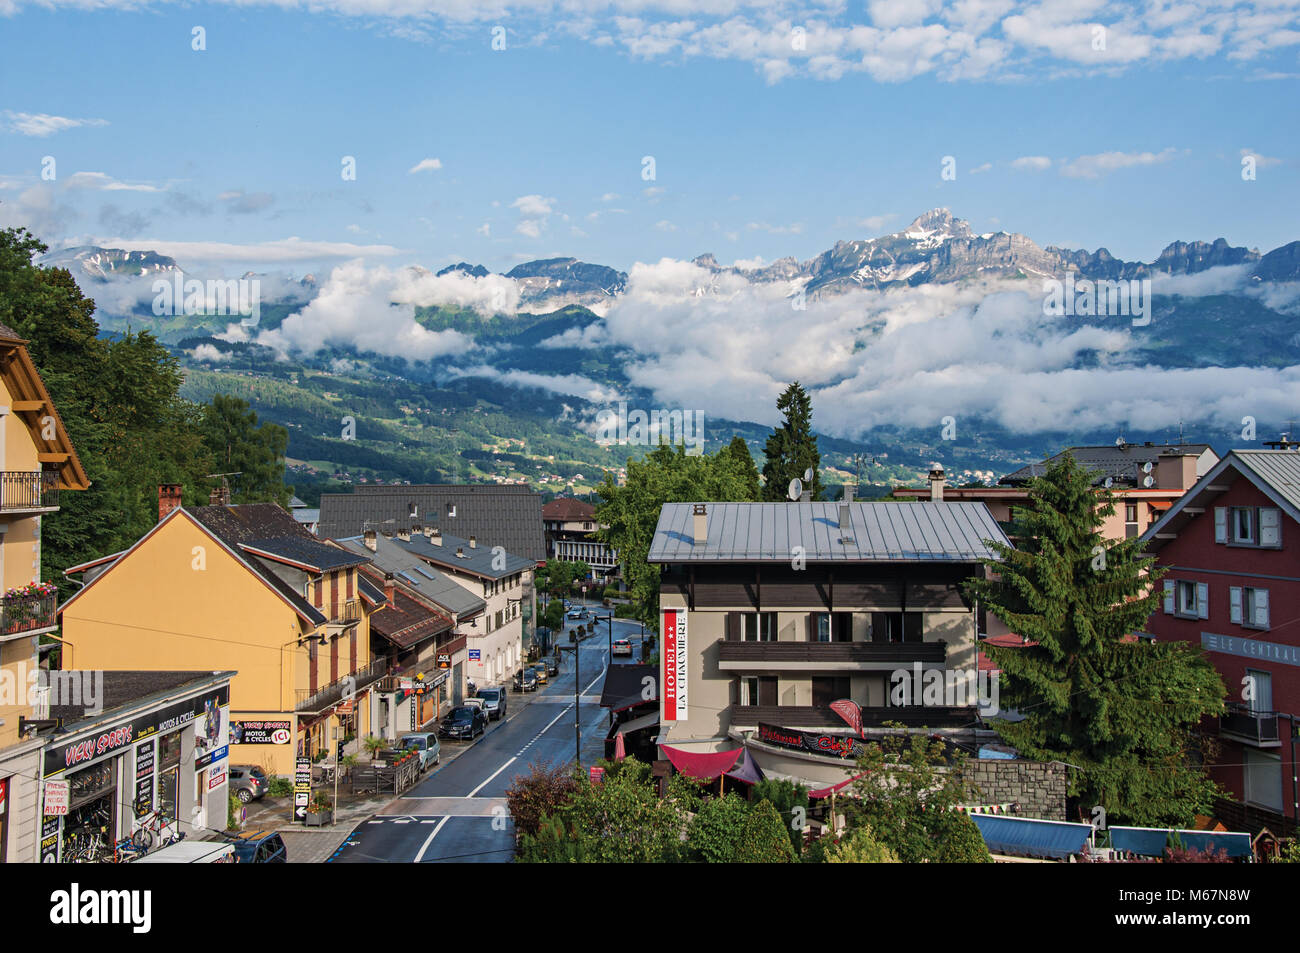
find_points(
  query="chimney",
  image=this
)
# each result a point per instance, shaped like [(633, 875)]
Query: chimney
[(936, 485), (390, 590), (701, 517), (1175, 471), (417, 529), (435, 535), (473, 543), (460, 552), (404, 535), (371, 540), (169, 498), (805, 496)]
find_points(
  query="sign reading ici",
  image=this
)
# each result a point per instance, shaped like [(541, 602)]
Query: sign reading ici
[(674, 662)]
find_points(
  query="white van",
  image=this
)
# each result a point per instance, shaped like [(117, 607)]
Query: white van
[(191, 852)]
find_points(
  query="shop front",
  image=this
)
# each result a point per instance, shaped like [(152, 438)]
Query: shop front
[(157, 761)]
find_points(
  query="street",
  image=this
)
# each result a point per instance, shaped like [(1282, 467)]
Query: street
[(457, 813)]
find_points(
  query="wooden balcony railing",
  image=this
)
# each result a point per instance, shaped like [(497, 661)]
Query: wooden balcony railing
[(757, 653), (28, 489), (313, 702)]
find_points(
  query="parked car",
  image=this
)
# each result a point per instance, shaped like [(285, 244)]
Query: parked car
[(494, 700), (525, 680), (539, 671), (191, 852), (577, 614), (248, 782), (478, 702), (552, 664), (621, 647), (259, 847), (425, 742), (464, 722)]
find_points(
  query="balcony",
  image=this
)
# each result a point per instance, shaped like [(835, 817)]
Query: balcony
[(911, 716), (827, 656), (347, 613), (1258, 728), (28, 614), (34, 491), (312, 703)]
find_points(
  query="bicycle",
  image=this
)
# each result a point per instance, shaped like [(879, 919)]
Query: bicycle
[(155, 822), (86, 848)]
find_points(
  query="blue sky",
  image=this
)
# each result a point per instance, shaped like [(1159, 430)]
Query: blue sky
[(231, 156)]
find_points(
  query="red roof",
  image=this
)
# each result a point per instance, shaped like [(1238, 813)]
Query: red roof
[(568, 508), (1009, 640)]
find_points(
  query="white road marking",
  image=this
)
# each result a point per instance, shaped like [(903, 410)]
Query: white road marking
[(494, 774), (432, 834)]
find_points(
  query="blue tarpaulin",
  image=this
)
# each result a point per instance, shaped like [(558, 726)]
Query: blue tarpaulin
[(1028, 837), (1152, 841)]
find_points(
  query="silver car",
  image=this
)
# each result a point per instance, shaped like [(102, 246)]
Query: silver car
[(426, 743)]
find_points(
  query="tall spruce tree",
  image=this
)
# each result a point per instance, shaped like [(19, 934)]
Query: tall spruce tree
[(738, 450), (791, 450), (1122, 711)]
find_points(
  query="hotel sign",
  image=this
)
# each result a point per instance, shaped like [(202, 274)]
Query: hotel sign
[(674, 663), (1251, 648)]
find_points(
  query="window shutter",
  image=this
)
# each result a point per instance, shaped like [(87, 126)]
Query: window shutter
[(1270, 526), (1220, 524), (1169, 597), (1203, 600), (1261, 607), (1234, 604)]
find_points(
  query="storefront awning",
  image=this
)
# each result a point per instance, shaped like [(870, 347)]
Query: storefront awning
[(834, 788), (1029, 837), (747, 770), (1152, 841), (702, 765), (636, 724)]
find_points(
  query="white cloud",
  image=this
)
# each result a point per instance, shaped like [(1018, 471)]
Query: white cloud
[(42, 125), (281, 251), (208, 352), (425, 165), (101, 181), (534, 212), (1261, 161), (1094, 166), (1031, 163)]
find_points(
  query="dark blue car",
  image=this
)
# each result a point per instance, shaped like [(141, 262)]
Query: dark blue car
[(259, 847)]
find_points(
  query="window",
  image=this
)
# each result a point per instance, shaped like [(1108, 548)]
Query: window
[(757, 690), (1259, 691), (1187, 599), (758, 627), (1243, 526), (828, 627), (1248, 526), (1248, 607), (829, 688), (1130, 520), (1263, 776), (896, 627)]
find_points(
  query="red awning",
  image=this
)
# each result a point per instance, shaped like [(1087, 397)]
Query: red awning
[(835, 788), (702, 765)]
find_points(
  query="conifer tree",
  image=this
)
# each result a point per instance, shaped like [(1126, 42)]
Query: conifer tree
[(791, 450)]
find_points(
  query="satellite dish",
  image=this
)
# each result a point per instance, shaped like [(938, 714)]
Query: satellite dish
[(1119, 441), (808, 475), (796, 489), (1148, 481), (1109, 482), (1146, 467)]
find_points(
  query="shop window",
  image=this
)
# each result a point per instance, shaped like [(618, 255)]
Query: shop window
[(168, 802), (169, 749)]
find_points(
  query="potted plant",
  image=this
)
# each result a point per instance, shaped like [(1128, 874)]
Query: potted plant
[(374, 745), (320, 812)]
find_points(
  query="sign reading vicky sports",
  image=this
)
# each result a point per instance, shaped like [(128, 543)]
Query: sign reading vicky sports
[(674, 662)]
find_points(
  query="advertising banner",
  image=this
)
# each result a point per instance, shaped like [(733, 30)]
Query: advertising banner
[(145, 755), (841, 746), (261, 733), (674, 665), (301, 789)]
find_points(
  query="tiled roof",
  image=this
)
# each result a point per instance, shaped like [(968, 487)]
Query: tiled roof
[(308, 552), (507, 515), (1121, 463), (477, 560), (413, 571), (407, 622), (567, 508), (877, 532)]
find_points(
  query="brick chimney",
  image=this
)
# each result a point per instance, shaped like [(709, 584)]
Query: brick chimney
[(220, 496), (169, 498), (1175, 471), (936, 485), (700, 515), (371, 539), (390, 590)]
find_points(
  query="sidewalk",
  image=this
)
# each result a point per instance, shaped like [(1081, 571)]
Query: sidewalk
[(315, 845)]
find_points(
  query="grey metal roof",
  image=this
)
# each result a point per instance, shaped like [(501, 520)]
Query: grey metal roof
[(434, 585), (472, 559), (878, 532), (1121, 464), (508, 515)]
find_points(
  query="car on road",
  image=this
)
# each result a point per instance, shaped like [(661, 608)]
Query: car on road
[(539, 671), (577, 614), (621, 647), (464, 722), (494, 701), (525, 680), (258, 847), (248, 782), (426, 743), (552, 664)]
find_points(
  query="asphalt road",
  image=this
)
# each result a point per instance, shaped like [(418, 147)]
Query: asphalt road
[(457, 813)]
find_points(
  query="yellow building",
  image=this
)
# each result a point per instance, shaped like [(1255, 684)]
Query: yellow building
[(244, 588), (36, 461)]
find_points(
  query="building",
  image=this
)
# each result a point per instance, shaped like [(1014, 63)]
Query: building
[(426, 630), (308, 516), (507, 515), (570, 524), (1145, 478), (1231, 548), (775, 611), (243, 588), (37, 463), (132, 743), (497, 643)]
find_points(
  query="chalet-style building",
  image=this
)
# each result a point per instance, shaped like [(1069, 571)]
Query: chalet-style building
[(774, 611), (1231, 548), (570, 525)]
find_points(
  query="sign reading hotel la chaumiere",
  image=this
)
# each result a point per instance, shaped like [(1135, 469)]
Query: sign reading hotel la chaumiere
[(674, 662), (841, 746), (84, 749)]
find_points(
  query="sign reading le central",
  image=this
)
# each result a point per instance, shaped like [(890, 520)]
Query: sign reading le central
[(675, 658)]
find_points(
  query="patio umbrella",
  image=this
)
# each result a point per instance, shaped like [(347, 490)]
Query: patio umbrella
[(620, 751)]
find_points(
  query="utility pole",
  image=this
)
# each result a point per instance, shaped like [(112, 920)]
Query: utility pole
[(577, 700)]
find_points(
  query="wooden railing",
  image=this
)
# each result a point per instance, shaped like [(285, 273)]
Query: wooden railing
[(815, 652)]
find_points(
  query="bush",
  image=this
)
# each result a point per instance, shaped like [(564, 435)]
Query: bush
[(716, 830), (763, 838), (859, 846), (786, 796), (542, 792), (279, 787), (958, 841)]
